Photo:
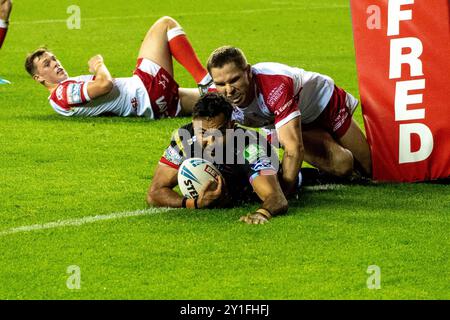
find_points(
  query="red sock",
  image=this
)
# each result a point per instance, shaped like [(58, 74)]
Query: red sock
[(182, 51), (2, 35)]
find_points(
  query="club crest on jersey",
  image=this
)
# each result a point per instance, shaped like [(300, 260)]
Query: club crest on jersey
[(59, 92), (188, 174)]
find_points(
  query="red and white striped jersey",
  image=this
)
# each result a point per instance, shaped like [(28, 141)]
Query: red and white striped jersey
[(284, 93), (128, 97)]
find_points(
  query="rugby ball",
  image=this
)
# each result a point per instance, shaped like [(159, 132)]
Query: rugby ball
[(194, 174)]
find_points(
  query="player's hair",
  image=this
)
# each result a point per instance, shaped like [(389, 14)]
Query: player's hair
[(212, 104), (225, 55), (29, 61)]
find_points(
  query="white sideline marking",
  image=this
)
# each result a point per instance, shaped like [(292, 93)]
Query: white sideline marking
[(325, 187), (84, 220), (248, 11)]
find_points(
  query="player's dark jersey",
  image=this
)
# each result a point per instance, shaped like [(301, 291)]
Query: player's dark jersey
[(246, 155)]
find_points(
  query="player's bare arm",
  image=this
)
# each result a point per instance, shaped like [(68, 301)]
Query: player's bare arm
[(274, 203), (161, 193), (290, 136), (103, 82)]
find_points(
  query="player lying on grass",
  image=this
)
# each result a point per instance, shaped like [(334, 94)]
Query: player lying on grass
[(311, 115), (252, 168), (5, 11), (151, 92)]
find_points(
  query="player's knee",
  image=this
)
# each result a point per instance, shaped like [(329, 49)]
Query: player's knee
[(343, 164), (167, 22)]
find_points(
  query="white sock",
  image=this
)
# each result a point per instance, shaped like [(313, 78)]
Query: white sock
[(175, 32), (207, 79), (3, 24)]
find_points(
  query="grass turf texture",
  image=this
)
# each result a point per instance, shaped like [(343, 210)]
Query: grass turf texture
[(53, 168)]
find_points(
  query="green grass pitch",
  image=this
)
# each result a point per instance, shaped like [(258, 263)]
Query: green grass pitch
[(55, 169)]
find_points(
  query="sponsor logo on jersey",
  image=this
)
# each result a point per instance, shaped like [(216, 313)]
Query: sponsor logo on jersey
[(173, 156), (253, 152), (284, 107), (162, 104), (275, 95), (262, 164), (188, 174), (74, 93), (134, 103)]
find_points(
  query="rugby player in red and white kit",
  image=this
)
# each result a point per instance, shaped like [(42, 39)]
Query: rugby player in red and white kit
[(151, 92), (311, 115)]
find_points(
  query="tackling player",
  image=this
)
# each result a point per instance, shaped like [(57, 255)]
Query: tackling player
[(250, 172), (151, 92), (5, 11), (312, 116)]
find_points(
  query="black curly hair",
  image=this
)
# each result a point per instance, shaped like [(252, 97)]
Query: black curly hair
[(211, 105)]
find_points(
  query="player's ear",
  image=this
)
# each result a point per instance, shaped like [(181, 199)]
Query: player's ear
[(39, 79), (248, 71)]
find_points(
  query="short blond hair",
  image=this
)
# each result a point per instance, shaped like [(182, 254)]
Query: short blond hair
[(227, 54)]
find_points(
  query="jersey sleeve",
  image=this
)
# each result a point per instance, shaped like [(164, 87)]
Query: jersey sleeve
[(173, 156), (280, 98), (259, 159), (71, 94)]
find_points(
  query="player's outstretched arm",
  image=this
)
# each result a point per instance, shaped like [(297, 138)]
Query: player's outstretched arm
[(290, 136), (103, 82), (269, 191), (160, 192)]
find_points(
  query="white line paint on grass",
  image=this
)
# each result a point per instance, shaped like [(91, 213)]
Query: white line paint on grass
[(324, 187), (84, 220), (207, 13)]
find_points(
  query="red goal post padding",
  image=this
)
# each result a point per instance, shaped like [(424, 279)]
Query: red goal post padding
[(403, 61)]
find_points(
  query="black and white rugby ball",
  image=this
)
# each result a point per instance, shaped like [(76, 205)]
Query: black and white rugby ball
[(194, 174)]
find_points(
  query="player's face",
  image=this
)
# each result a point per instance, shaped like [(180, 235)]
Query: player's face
[(211, 132), (49, 69), (234, 83)]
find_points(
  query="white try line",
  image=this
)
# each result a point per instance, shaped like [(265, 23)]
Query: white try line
[(209, 13), (84, 220), (324, 187)]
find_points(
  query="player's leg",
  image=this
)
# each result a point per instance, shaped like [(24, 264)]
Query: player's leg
[(355, 141), (165, 39), (5, 11), (188, 99), (323, 152)]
